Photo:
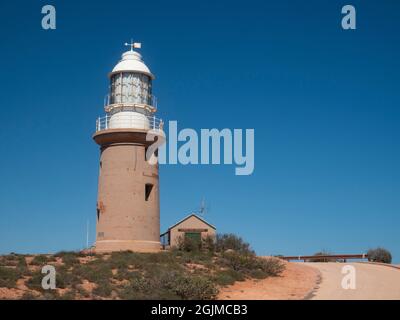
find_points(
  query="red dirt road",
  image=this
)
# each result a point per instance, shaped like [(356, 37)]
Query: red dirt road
[(295, 283)]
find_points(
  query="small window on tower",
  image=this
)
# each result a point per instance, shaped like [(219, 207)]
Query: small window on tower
[(147, 190)]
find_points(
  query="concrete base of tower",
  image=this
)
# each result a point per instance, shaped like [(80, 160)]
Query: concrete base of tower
[(125, 245)]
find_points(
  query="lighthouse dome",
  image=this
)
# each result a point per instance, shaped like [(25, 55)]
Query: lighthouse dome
[(132, 62)]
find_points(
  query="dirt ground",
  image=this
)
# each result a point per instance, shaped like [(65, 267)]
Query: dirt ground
[(295, 283)]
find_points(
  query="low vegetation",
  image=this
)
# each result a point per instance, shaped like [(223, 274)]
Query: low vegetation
[(191, 271), (12, 268), (379, 255)]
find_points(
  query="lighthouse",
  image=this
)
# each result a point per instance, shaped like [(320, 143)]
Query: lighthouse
[(128, 208)]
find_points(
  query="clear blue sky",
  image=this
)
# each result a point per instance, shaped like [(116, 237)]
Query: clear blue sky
[(324, 104)]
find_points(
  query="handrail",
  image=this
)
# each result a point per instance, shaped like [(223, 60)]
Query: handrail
[(126, 121), (333, 256)]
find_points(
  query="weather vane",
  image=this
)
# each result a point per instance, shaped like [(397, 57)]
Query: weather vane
[(136, 45)]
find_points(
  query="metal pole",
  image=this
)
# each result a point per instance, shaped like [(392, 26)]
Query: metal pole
[(87, 234)]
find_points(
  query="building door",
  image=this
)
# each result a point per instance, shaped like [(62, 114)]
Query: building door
[(195, 236)]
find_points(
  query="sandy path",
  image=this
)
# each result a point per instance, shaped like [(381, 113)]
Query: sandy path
[(296, 282), (372, 282)]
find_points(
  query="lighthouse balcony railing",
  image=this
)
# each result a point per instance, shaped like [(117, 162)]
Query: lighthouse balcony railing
[(129, 121), (115, 100)]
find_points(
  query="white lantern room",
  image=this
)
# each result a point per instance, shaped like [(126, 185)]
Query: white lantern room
[(130, 102)]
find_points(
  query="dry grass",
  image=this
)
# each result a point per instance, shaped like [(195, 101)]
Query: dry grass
[(127, 275)]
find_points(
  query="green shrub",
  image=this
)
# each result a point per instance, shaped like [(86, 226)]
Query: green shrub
[(103, 289), (272, 267), (208, 244), (159, 257), (151, 285), (35, 283), (66, 278), (237, 261), (228, 277), (61, 254), (187, 244), (124, 259), (143, 289), (93, 271), (8, 277), (70, 258), (230, 241), (194, 288), (169, 284), (257, 274), (251, 265), (16, 269), (196, 257), (9, 260), (119, 260), (124, 274), (22, 267), (39, 260), (379, 255)]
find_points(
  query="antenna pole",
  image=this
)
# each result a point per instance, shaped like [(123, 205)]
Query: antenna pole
[(87, 234)]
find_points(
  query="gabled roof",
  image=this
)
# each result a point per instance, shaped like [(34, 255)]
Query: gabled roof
[(189, 216)]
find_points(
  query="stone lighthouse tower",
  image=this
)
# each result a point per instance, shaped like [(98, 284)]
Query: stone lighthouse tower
[(128, 210)]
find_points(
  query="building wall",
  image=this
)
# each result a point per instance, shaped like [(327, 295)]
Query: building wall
[(190, 223), (126, 221)]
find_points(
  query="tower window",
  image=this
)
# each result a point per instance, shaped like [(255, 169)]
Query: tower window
[(147, 191)]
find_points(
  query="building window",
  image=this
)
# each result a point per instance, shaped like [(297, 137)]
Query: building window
[(98, 214), (147, 191)]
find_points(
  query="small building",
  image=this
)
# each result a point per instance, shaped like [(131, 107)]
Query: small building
[(192, 227)]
